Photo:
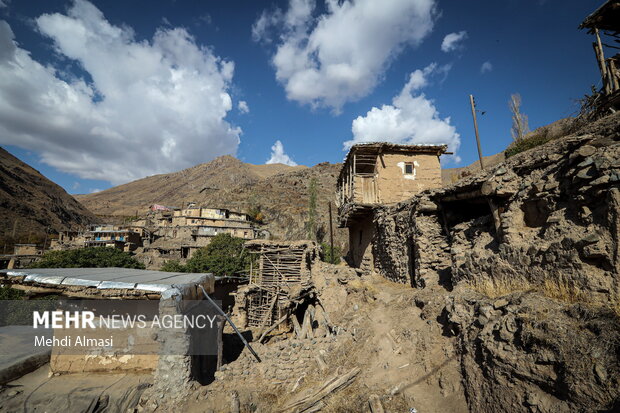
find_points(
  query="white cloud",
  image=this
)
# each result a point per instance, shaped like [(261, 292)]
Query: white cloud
[(75, 185), (4, 3), (341, 55), (453, 41), (152, 106), (243, 106), (95, 190), (411, 118), (278, 155), (486, 67)]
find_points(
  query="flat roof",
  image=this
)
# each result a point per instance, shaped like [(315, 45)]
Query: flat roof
[(606, 17), (372, 148), (107, 278)]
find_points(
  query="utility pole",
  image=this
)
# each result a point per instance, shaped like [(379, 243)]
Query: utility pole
[(45, 242), (331, 235), (473, 113)]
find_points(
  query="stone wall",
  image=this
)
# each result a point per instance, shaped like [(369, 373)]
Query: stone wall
[(410, 246), (552, 213)]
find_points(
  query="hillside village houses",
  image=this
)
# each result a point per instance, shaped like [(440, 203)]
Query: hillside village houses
[(23, 255), (381, 173), (164, 233)]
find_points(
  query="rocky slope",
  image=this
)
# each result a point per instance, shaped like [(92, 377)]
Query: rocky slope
[(280, 191), (527, 255), (30, 203)]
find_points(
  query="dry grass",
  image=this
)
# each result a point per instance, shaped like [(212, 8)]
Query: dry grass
[(499, 287), (558, 290), (562, 291)]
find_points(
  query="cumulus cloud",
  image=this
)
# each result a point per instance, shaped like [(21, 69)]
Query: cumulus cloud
[(243, 106), (341, 55), (412, 118), (147, 106), (453, 41), (486, 67), (278, 155)]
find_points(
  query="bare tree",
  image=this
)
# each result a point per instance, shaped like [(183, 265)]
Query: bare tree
[(520, 126)]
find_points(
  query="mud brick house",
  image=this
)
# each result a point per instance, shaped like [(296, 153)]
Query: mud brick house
[(177, 234), (111, 236), (375, 174), (23, 255)]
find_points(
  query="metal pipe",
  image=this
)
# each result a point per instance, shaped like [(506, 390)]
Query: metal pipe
[(232, 324)]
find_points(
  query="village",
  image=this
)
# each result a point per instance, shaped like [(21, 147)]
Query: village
[(495, 291), (163, 234)]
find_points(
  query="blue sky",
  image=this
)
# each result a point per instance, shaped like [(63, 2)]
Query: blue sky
[(96, 94)]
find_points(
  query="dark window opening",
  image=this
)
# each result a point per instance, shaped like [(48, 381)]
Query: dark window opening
[(460, 211), (409, 169), (535, 213), (184, 252), (361, 236)]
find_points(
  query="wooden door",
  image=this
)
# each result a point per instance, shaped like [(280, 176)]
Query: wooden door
[(368, 190)]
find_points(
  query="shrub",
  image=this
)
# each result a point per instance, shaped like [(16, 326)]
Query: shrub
[(224, 256), (526, 143), (327, 253), (94, 257), (173, 266), (542, 135)]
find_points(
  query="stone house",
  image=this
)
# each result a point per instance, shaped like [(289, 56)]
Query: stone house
[(377, 174)]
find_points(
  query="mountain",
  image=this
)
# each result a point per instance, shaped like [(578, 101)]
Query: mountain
[(279, 190), (30, 203)]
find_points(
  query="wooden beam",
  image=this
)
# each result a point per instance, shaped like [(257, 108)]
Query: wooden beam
[(613, 74), (600, 56)]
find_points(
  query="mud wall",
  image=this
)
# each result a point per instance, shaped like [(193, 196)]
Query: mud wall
[(394, 185)]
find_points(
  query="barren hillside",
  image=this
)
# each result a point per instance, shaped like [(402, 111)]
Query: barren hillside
[(30, 203), (280, 191)]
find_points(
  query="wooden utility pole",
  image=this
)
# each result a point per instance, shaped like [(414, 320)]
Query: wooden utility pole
[(331, 235), (45, 242), (473, 113)]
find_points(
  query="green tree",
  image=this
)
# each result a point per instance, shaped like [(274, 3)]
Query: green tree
[(311, 224), (173, 266), (328, 256), (255, 209), (224, 256), (95, 257)]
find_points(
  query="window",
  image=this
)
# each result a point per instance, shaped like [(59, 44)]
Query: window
[(409, 169)]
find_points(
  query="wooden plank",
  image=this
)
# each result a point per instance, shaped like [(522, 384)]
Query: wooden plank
[(220, 343), (273, 327), (374, 402), (296, 326), (310, 398)]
